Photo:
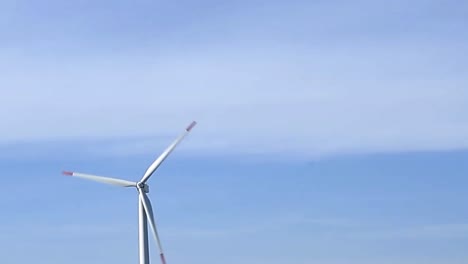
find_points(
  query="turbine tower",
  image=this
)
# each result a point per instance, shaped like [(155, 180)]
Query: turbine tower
[(145, 211)]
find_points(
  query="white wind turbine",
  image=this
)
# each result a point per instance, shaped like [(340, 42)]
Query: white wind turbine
[(145, 211)]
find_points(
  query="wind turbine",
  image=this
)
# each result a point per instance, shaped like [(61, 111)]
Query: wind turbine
[(145, 211)]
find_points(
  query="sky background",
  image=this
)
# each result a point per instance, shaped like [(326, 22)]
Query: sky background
[(329, 132)]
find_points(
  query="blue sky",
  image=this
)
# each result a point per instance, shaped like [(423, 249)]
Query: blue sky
[(329, 132)]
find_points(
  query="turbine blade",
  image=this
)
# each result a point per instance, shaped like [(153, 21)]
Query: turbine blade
[(107, 180), (149, 213), (166, 152)]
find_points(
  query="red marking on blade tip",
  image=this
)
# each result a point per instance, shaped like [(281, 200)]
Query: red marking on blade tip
[(191, 126), (67, 173), (163, 260)]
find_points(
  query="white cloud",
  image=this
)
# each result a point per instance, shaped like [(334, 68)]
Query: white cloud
[(349, 93), (245, 102), (439, 232), (255, 226)]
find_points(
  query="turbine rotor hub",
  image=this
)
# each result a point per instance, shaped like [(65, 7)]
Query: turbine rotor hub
[(143, 186)]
